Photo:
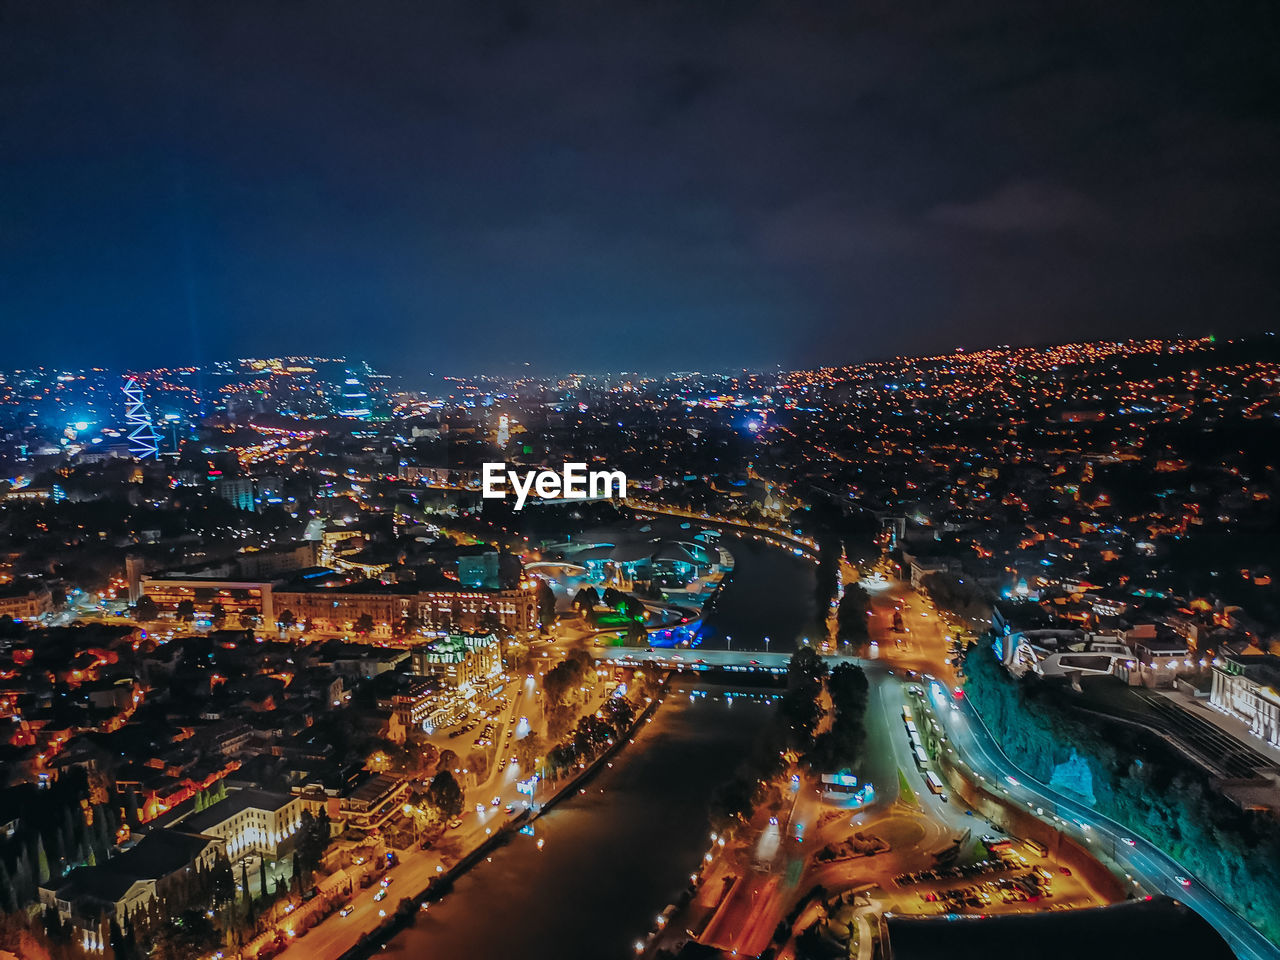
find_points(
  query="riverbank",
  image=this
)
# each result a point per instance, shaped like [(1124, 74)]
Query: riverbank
[(408, 909), (611, 854)]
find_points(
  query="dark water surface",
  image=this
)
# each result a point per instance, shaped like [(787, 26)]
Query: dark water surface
[(769, 595), (613, 858)]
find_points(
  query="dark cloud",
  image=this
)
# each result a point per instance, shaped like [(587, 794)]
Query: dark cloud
[(463, 185), (1024, 207)]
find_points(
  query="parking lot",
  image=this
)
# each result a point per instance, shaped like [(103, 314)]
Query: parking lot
[(1006, 883)]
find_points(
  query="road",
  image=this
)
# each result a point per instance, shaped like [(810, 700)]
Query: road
[(1150, 867), (777, 536), (480, 818), (924, 649)]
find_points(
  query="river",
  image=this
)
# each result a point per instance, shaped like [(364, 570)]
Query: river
[(612, 858), (769, 594)]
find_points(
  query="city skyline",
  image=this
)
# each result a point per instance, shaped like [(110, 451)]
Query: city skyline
[(727, 186), (740, 478), (988, 634), (568, 371)]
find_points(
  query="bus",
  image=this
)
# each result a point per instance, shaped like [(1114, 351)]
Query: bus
[(935, 783), (922, 758), (906, 715), (1036, 847), (911, 728)]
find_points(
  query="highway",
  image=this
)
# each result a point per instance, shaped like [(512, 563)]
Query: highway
[(923, 647), (1150, 867)]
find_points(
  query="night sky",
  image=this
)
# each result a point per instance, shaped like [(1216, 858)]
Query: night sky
[(603, 186)]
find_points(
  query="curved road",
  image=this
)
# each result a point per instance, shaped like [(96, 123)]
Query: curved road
[(1149, 865)]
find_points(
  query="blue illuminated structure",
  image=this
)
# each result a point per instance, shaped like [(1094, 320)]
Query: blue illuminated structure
[(144, 441)]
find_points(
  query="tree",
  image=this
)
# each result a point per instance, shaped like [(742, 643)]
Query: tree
[(842, 746), (218, 614), (636, 633), (529, 750), (312, 841), (827, 580), (546, 599), (42, 862), (364, 624), (734, 799), (851, 616), (591, 736), (586, 599), (145, 609), (186, 610), (116, 940), (444, 795), (618, 713), (54, 928), (222, 882), (448, 761), (634, 608), (250, 617), (189, 934), (562, 681), (286, 620), (428, 752), (8, 890), (800, 709)]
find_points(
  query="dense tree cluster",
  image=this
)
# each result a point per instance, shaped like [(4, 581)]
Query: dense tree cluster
[(801, 706), (61, 828), (546, 604), (585, 601), (851, 616), (843, 744), (593, 734), (1140, 783), (826, 579), (444, 795), (310, 843), (561, 687)]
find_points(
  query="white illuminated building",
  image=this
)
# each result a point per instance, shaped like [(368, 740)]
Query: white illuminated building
[(1245, 687), (250, 822)]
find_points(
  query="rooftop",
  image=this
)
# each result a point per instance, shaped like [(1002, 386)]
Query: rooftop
[(235, 803)]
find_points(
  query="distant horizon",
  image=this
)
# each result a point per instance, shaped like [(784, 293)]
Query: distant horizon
[(534, 373)]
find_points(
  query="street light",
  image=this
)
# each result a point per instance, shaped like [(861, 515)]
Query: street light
[(766, 644)]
